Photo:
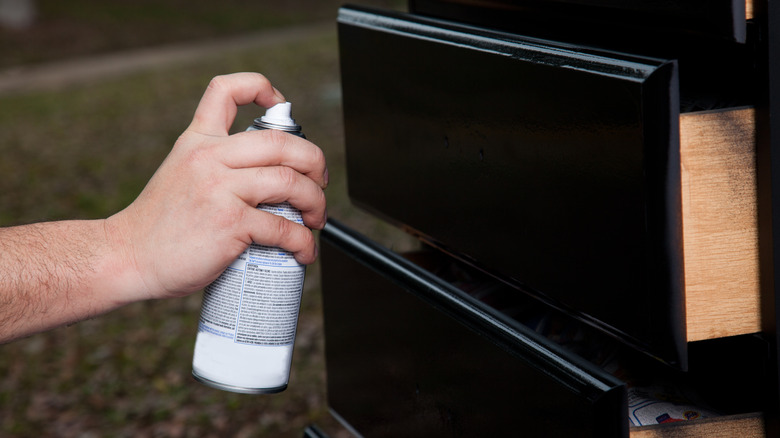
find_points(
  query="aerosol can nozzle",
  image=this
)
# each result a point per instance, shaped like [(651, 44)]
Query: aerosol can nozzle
[(279, 114)]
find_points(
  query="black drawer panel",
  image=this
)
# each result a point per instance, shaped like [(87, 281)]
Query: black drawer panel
[(638, 20), (558, 168), (410, 355)]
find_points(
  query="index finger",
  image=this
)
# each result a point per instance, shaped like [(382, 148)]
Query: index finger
[(218, 106)]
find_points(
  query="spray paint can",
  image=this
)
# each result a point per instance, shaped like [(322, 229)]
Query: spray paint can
[(250, 313)]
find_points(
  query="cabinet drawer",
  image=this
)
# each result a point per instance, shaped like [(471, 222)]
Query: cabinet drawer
[(719, 19), (410, 354), (557, 169)]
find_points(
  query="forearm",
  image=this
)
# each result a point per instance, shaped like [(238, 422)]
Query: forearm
[(56, 273)]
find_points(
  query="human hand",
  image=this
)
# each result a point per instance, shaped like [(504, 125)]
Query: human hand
[(197, 213)]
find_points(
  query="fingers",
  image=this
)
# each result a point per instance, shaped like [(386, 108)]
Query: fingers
[(270, 185), (215, 116), (271, 230), (259, 166), (218, 106), (276, 148)]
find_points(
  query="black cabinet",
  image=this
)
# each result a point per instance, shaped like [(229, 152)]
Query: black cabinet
[(579, 157)]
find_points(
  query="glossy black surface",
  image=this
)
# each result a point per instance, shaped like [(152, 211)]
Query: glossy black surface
[(410, 355), (554, 168), (716, 68), (638, 19), (313, 432)]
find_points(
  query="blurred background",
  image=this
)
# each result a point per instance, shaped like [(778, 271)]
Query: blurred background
[(93, 93)]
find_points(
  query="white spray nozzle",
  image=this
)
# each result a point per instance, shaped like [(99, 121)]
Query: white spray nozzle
[(279, 114)]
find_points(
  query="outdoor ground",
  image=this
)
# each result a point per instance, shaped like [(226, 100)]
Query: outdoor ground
[(84, 148)]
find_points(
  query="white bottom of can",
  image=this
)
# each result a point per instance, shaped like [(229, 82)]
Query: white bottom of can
[(238, 389), (251, 369)]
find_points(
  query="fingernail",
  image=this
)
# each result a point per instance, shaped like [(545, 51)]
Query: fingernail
[(279, 95), (327, 177)]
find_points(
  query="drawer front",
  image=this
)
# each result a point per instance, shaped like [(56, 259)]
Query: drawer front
[(410, 355), (557, 168), (637, 19)]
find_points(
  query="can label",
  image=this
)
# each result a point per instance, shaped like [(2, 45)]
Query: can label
[(249, 316), (256, 300)]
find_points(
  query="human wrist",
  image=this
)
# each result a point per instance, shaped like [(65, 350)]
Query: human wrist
[(120, 269)]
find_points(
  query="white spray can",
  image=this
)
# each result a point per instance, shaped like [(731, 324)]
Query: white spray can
[(250, 313)]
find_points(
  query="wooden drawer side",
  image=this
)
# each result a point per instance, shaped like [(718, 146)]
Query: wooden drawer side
[(720, 230)]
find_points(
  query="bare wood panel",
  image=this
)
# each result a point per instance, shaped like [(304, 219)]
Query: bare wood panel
[(720, 232), (743, 426)]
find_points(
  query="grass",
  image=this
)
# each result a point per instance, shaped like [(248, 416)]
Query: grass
[(86, 151)]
